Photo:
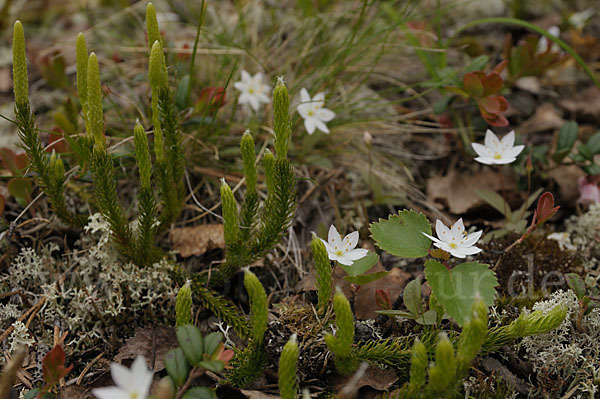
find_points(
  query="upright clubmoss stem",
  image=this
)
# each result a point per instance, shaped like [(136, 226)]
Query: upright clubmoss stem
[(21, 84)]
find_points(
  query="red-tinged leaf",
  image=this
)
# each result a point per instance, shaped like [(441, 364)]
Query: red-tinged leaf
[(493, 119), (502, 102), (211, 99), (22, 161), (489, 105), (7, 156), (2, 204), (56, 141), (545, 207), (473, 85), (500, 67), (383, 299), (492, 84), (53, 366)]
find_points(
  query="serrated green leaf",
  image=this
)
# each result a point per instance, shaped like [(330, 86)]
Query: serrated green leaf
[(428, 318), (212, 342), (199, 393), (412, 296), (365, 278), (361, 265), (177, 366), (402, 234), (457, 289), (566, 138), (393, 312), (216, 366), (191, 343)]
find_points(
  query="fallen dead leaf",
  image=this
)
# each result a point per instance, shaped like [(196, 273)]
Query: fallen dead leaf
[(566, 177), (74, 392), (374, 377), (364, 301), (546, 117), (257, 394), (152, 343), (586, 102), (456, 190), (197, 240)]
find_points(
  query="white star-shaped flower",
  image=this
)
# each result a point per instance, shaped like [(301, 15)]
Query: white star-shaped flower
[(313, 112), (455, 239), (497, 151), (254, 91), (343, 250), (131, 383)]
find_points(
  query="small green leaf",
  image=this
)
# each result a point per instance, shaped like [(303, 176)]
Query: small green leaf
[(575, 282), (412, 296), (428, 318), (191, 343), (199, 393), (212, 342), (457, 289), (393, 312), (585, 152), (592, 169), (594, 143), (477, 64), (361, 265), (216, 366), (402, 234), (440, 105), (177, 366), (566, 138), (365, 278), (496, 201)]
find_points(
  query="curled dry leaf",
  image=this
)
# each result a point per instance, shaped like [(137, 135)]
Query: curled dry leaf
[(152, 343), (197, 240)]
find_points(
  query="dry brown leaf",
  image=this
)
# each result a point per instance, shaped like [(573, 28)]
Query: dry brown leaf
[(197, 240), (586, 102), (374, 377), (257, 394), (364, 301), (456, 190), (74, 392), (152, 343), (566, 177), (546, 117)]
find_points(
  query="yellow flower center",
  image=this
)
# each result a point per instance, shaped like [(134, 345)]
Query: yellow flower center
[(311, 113), (251, 91), (452, 245), (338, 253), (134, 395), (497, 156)]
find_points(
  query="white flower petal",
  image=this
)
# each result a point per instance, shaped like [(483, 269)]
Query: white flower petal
[(504, 160), (509, 140), (441, 230), (470, 250), (246, 78), (141, 376), (303, 110), (328, 247), (121, 375), (457, 229), (431, 237), (471, 238), (320, 125), (356, 254), (241, 86), (309, 124), (254, 103), (457, 253), (325, 114), (319, 97), (334, 238), (350, 241), (304, 96), (345, 261), (491, 140), (482, 150), (443, 245), (110, 393), (516, 150), (485, 160), (263, 98)]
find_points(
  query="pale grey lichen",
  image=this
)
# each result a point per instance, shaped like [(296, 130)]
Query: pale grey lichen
[(584, 233), (19, 337), (99, 297), (566, 354)]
